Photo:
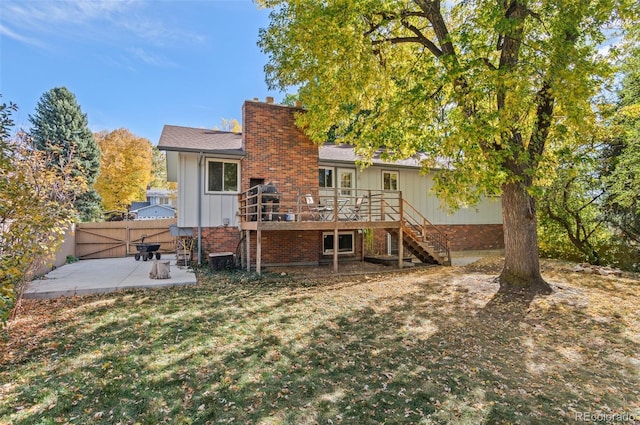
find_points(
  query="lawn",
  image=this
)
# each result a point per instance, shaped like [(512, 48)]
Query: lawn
[(426, 346)]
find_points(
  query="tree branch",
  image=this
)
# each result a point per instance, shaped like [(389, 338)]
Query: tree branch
[(489, 64), (545, 103), (423, 40), (420, 38)]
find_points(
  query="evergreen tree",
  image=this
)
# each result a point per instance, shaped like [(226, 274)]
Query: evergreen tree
[(60, 128)]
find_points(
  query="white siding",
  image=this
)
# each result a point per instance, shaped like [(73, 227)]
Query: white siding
[(416, 189), (172, 166), (215, 207)]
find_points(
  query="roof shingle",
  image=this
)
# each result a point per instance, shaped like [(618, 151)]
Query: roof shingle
[(188, 139)]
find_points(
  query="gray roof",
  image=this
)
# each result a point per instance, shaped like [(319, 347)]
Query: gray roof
[(330, 152), (188, 139), (161, 206)]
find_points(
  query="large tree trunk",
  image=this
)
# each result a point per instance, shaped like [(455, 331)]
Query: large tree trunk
[(521, 273)]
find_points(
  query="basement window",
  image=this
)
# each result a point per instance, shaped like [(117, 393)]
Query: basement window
[(345, 243)]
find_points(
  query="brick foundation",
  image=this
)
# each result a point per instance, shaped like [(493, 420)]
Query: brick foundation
[(462, 237), (379, 242), (287, 247), (305, 247), (277, 247), (219, 239), (469, 237)]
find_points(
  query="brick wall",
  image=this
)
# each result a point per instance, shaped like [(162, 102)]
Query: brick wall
[(219, 239), (379, 242), (278, 152), (462, 237), (276, 149), (300, 247), (466, 237)]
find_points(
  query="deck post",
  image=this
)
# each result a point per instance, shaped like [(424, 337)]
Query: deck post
[(336, 207), (258, 251), (400, 233), (400, 248), (335, 250), (248, 246)]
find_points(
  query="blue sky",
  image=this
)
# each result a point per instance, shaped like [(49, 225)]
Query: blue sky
[(135, 64)]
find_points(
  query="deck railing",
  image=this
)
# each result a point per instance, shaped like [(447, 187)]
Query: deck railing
[(313, 204), (427, 232)]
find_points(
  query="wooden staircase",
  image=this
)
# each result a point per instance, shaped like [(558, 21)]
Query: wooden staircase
[(423, 239)]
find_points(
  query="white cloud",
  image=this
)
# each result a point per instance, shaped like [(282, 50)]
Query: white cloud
[(103, 22), (150, 58), (21, 38)]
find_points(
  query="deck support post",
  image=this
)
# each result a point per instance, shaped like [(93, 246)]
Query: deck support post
[(247, 241), (335, 250), (400, 248), (258, 251), (400, 233)]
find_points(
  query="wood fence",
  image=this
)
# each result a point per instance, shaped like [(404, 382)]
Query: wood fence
[(116, 239)]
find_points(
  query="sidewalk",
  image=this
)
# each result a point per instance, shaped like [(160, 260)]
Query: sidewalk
[(105, 275)]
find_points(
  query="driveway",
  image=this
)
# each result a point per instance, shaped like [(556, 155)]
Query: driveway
[(105, 275)]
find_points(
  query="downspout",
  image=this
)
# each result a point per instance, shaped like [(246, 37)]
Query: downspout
[(201, 157)]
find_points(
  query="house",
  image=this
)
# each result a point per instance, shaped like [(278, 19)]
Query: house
[(154, 212), (136, 205), (160, 196), (325, 208)]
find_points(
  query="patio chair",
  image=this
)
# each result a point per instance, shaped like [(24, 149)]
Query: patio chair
[(354, 212), (317, 211)]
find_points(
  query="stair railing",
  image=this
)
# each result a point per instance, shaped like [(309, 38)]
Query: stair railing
[(416, 223)]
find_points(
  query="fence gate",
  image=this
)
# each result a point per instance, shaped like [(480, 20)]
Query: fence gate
[(115, 239)]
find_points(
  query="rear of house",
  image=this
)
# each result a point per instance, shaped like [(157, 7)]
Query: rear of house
[(217, 171)]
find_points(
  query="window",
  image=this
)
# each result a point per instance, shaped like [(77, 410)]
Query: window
[(389, 180), (222, 176), (346, 181), (325, 178), (345, 243)]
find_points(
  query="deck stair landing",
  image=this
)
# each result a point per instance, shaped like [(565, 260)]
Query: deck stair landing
[(423, 239)]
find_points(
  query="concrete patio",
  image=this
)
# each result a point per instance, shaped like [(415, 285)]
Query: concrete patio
[(105, 275)]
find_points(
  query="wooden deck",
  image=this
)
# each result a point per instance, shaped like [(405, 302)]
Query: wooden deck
[(294, 209), (319, 225)]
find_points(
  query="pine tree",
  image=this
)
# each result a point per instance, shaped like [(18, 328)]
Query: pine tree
[(60, 128)]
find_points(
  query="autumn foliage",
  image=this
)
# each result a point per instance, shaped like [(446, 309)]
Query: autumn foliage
[(126, 168), (36, 209), (61, 130)]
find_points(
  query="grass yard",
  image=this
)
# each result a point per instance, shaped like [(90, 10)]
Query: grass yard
[(428, 346)]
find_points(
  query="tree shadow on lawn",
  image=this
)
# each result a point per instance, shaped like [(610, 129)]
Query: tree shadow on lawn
[(439, 352)]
